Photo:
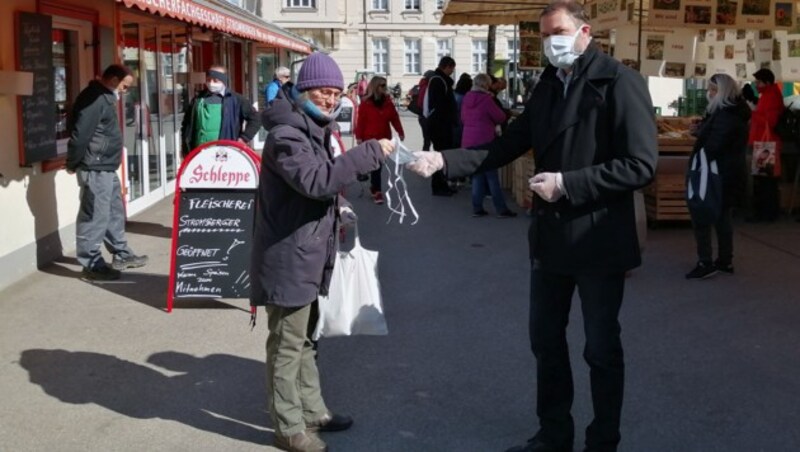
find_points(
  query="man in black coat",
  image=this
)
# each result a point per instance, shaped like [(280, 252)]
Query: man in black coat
[(591, 126), (441, 117)]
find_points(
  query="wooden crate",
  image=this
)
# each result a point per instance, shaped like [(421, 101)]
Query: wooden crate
[(506, 174), (665, 198), (523, 170)]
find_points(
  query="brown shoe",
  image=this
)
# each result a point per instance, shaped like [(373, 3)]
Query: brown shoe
[(300, 442), (330, 423)]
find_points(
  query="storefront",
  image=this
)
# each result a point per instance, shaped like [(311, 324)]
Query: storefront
[(53, 48)]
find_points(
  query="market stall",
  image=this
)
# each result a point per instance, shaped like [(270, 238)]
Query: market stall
[(686, 40)]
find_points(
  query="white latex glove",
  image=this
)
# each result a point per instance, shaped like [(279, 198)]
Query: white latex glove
[(347, 215), (426, 163), (549, 186)]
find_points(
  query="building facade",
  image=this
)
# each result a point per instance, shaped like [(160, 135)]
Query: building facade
[(398, 39), (53, 48)]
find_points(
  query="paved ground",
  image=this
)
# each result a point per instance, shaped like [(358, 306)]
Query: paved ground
[(711, 365)]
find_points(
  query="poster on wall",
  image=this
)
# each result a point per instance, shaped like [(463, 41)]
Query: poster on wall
[(610, 14), (531, 55), (742, 14), (666, 52)]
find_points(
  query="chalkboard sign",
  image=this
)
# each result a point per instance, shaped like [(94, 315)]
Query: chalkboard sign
[(212, 227), (37, 113), (214, 237)]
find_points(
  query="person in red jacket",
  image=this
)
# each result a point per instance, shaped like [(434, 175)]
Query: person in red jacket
[(762, 124), (376, 116)]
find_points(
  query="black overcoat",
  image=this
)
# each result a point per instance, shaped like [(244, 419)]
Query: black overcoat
[(601, 136)]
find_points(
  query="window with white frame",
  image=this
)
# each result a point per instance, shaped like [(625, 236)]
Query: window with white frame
[(478, 56), (513, 50), (380, 55), (301, 3), (439, 4), (412, 56), (444, 47), (412, 5), (380, 5)]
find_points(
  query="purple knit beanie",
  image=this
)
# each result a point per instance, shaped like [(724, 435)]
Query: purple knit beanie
[(319, 71)]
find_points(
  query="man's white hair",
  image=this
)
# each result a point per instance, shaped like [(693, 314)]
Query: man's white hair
[(282, 71)]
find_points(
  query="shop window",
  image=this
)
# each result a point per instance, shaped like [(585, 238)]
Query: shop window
[(380, 56), (444, 47), (412, 5), (479, 55), (67, 82), (412, 56), (301, 3)]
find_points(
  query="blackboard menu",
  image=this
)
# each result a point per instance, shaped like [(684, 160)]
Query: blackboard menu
[(37, 113), (212, 250)]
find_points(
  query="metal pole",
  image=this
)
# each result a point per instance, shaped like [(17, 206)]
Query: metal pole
[(365, 34), (516, 66), (639, 45)]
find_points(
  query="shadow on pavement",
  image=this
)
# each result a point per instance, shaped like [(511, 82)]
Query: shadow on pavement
[(221, 394), (146, 228), (147, 288)]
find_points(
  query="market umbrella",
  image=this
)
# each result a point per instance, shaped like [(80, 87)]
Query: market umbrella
[(491, 12)]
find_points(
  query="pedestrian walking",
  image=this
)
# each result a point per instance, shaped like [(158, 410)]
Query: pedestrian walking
[(218, 113), (282, 75), (376, 120), (94, 153), (590, 123), (481, 116), (295, 243), (441, 117), (722, 135), (766, 196)]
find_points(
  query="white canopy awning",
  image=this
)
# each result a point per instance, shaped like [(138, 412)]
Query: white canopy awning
[(491, 12)]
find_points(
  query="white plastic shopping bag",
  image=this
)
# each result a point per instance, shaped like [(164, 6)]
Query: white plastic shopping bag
[(353, 305)]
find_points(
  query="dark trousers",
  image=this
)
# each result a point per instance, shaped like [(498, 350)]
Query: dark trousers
[(375, 180), (601, 298), (442, 139), (426, 139), (766, 204), (724, 229)]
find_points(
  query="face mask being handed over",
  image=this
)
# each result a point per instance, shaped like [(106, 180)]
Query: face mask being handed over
[(560, 50), (216, 87)]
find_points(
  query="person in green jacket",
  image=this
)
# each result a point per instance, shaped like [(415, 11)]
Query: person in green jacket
[(218, 113)]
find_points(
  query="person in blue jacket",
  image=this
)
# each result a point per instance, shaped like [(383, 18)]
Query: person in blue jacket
[(282, 75)]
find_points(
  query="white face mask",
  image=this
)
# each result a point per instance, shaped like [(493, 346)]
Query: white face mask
[(216, 87), (560, 50), (396, 183)]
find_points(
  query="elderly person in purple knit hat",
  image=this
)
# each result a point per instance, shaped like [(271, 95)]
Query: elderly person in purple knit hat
[(298, 215)]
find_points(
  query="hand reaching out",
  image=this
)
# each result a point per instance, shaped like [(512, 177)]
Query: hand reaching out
[(426, 163), (387, 147)]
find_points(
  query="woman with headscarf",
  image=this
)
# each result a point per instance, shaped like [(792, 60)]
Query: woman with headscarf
[(298, 213), (376, 117), (723, 136)]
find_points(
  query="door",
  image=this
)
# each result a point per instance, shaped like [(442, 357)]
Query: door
[(152, 114)]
